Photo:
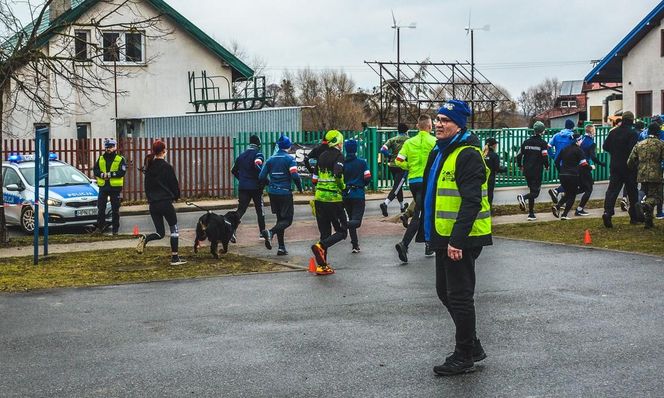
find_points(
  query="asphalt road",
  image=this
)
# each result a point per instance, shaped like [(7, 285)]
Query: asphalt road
[(555, 321)]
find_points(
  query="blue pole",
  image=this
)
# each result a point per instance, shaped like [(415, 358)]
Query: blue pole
[(35, 213)]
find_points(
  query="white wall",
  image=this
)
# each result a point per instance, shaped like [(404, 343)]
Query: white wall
[(642, 71), (597, 97), (159, 88)]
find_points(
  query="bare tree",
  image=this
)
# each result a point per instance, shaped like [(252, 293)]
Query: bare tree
[(539, 98), (47, 68)]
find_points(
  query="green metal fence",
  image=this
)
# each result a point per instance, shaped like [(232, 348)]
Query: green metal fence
[(371, 139)]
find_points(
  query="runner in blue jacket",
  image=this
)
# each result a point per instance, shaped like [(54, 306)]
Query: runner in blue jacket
[(357, 176), (557, 143)]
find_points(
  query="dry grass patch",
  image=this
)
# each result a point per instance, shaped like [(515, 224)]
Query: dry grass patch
[(117, 266)]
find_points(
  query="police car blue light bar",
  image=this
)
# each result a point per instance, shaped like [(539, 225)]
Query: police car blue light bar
[(16, 158)]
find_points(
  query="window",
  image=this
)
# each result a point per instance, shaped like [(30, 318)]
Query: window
[(124, 47), (643, 104), (11, 177), (596, 113), (568, 104), (661, 43), (82, 144), (81, 40)]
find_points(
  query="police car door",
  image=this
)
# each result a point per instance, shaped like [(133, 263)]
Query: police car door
[(12, 199)]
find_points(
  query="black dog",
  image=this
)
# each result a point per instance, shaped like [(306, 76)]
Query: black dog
[(216, 228)]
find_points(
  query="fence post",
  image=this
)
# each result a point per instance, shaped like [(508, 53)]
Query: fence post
[(372, 154)]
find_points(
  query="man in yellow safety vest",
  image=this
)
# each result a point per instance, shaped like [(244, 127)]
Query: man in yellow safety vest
[(457, 224), (109, 170)]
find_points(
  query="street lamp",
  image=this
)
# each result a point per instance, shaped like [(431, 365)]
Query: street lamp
[(397, 29), (472, 30)]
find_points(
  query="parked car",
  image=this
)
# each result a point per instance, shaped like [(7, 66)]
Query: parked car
[(72, 196)]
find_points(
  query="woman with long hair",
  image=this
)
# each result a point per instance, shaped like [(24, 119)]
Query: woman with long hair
[(161, 189)]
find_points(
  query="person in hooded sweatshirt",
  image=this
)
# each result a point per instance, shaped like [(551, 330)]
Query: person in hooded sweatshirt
[(571, 160), (557, 143), (533, 157), (457, 224), (356, 176), (279, 173), (390, 150), (161, 189), (246, 169), (586, 182)]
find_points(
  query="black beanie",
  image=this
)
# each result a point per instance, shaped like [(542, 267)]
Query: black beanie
[(402, 128), (254, 139), (654, 129)]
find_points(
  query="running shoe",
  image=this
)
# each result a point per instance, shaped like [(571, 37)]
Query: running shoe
[(522, 202), (404, 220), (383, 209), (176, 260), (581, 213), (282, 251), (324, 270), (624, 204), (319, 253), (606, 219), (554, 196), (402, 251), (564, 217), (233, 238), (532, 217), (660, 216), (428, 251), (267, 235), (140, 247), (356, 249), (404, 207), (555, 211)]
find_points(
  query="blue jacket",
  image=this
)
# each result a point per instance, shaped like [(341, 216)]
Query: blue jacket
[(280, 169), (356, 176), (589, 148), (559, 142), (247, 168)]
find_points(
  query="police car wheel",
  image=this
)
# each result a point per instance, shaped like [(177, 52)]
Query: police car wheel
[(28, 220)]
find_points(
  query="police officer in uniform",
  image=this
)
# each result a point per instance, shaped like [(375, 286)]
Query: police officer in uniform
[(648, 156), (457, 224), (110, 170)]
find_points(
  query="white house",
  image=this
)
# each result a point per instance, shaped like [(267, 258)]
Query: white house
[(602, 100), (637, 62), (150, 67)]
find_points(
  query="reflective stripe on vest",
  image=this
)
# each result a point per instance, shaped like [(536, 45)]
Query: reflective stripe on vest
[(448, 199), (115, 166)]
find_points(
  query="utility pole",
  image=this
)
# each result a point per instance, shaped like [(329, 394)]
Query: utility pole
[(397, 29), (470, 30)]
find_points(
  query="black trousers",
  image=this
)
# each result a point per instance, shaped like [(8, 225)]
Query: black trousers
[(414, 225), (570, 185), (102, 200), (282, 207), (455, 286), (244, 198), (331, 215), (398, 181), (534, 186), (355, 211), (616, 182), (586, 183), (159, 211)]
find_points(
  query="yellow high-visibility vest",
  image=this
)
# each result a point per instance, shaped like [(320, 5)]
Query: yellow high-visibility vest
[(115, 166)]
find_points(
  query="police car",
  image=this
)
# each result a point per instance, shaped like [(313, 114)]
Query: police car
[(72, 196)]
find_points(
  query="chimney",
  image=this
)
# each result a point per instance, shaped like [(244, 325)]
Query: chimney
[(57, 8)]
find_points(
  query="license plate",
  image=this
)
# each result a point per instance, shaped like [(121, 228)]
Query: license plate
[(86, 212)]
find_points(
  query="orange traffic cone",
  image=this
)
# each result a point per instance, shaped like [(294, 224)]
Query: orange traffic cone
[(135, 230), (312, 265), (587, 240)]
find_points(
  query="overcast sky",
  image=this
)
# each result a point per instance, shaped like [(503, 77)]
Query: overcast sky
[(527, 41)]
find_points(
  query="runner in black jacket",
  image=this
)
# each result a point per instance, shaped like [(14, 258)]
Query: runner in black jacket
[(571, 159), (493, 163), (161, 189), (532, 160)]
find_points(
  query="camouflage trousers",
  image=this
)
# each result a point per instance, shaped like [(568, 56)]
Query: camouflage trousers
[(653, 192)]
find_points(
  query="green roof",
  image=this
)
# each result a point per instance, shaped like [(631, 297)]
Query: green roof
[(79, 7)]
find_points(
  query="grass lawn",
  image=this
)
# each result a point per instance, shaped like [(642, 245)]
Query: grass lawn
[(544, 207), (26, 240), (622, 236), (117, 266)]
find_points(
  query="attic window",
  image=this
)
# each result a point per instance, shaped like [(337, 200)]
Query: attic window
[(568, 104), (124, 47)]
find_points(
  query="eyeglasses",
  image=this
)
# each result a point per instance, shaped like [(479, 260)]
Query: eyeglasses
[(443, 120)]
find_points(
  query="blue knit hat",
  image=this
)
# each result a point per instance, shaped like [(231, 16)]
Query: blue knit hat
[(284, 142), (351, 146), (569, 124), (457, 111)]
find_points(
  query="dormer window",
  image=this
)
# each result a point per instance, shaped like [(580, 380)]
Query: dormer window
[(568, 104), (124, 47)]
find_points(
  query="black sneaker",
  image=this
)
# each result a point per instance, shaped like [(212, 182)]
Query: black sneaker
[(404, 220), (555, 211), (554, 196), (267, 235), (478, 351), (522, 202), (581, 213), (455, 364), (404, 207), (402, 251), (428, 251), (282, 251), (624, 204), (532, 217), (606, 219), (356, 249), (648, 216), (233, 238), (176, 260), (383, 209)]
